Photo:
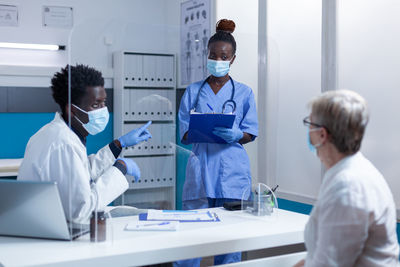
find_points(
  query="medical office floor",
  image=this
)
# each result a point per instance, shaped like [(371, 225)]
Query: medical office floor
[(206, 261), (248, 255), (261, 253)]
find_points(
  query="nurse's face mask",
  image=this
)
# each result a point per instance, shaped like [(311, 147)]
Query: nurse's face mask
[(218, 68), (98, 120), (220, 57)]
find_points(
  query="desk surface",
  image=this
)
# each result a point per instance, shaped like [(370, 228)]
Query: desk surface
[(237, 231)]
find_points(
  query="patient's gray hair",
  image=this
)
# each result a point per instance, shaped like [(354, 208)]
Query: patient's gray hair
[(344, 114)]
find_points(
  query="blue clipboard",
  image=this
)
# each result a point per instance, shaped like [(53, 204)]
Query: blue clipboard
[(143, 217), (201, 127)]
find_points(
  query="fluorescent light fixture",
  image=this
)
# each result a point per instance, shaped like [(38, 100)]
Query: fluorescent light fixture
[(32, 46)]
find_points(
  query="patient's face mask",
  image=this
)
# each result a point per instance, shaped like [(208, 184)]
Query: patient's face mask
[(218, 68), (311, 147), (98, 120)]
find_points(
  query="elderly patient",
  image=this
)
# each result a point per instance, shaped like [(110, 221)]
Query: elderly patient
[(353, 222)]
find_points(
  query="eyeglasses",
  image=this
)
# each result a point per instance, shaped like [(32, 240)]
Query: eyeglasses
[(307, 122)]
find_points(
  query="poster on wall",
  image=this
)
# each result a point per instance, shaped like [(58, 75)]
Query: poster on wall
[(195, 32)]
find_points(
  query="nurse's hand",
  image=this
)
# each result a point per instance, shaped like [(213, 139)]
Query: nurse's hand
[(135, 136), (132, 168), (229, 135)]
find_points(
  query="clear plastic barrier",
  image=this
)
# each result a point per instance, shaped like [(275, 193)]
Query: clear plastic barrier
[(115, 75), (261, 201)]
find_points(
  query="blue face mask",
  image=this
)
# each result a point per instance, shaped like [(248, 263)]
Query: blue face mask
[(218, 68), (98, 120), (311, 147)]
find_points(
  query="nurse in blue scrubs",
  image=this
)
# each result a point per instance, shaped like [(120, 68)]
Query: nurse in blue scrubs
[(219, 173)]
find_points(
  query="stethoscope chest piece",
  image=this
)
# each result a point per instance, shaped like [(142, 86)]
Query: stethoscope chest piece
[(227, 103)]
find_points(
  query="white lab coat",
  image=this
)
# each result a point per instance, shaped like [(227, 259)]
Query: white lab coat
[(353, 222), (55, 153)]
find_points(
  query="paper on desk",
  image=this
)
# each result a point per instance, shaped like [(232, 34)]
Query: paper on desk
[(181, 215), (195, 112), (152, 226)]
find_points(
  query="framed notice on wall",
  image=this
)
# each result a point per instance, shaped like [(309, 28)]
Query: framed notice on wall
[(8, 15), (57, 16), (195, 32)]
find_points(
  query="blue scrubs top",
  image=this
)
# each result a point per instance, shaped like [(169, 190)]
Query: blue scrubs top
[(218, 170)]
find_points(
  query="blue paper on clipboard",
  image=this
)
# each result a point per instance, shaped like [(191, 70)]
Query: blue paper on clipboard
[(201, 127), (179, 215)]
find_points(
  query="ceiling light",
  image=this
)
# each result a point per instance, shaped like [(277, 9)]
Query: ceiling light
[(32, 46)]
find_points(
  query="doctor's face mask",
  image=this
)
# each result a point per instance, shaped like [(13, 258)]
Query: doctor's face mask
[(98, 120)]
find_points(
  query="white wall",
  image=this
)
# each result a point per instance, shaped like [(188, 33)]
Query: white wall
[(293, 78), (245, 68), (140, 25), (369, 63)]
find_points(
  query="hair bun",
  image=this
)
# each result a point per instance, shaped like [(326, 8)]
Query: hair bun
[(225, 25)]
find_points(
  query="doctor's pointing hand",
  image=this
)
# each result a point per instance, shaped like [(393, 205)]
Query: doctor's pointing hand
[(135, 136), (132, 138)]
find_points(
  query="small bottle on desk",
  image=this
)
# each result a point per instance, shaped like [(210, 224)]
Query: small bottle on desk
[(98, 226)]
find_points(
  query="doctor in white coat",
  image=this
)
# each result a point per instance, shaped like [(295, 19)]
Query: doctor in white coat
[(58, 153)]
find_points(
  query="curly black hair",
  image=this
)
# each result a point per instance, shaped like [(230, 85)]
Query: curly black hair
[(82, 76)]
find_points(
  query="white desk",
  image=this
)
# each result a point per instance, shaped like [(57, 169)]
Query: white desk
[(235, 232)]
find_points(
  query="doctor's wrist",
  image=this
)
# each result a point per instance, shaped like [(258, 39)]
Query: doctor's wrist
[(115, 149), (118, 143), (120, 165)]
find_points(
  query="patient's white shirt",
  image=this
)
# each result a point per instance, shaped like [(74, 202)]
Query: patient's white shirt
[(353, 222)]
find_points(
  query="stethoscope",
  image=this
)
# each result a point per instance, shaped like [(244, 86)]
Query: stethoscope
[(229, 101)]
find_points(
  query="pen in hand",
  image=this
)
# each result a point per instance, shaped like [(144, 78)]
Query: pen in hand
[(210, 107)]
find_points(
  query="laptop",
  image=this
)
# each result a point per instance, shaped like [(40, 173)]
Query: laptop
[(34, 209)]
